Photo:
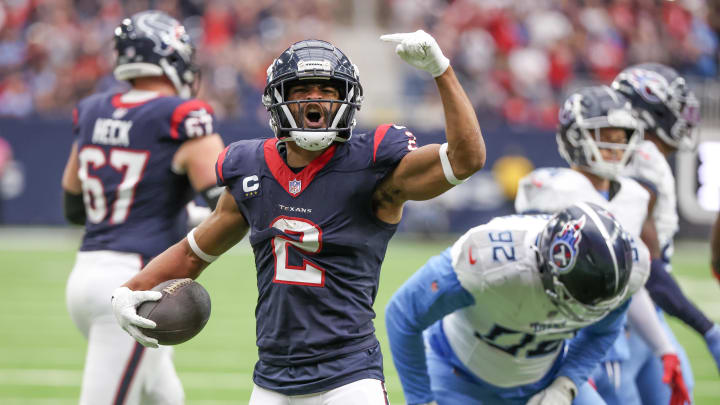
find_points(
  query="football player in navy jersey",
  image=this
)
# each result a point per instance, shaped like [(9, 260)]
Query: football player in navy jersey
[(138, 158), (321, 208)]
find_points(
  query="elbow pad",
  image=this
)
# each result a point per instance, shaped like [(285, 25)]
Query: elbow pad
[(74, 208)]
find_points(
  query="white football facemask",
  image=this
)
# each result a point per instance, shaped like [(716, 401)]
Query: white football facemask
[(592, 145)]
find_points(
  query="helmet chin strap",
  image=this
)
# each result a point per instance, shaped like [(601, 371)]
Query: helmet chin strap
[(313, 140), (183, 90)]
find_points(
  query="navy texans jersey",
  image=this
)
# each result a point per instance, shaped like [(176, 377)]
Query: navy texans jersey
[(134, 202), (318, 249)]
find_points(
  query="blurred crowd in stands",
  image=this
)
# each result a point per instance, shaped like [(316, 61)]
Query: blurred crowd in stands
[(516, 58)]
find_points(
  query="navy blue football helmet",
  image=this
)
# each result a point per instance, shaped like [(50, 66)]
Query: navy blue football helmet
[(312, 60), (663, 100), (581, 119), (151, 43), (585, 262)]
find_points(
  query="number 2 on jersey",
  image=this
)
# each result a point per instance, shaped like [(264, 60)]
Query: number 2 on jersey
[(128, 162), (309, 240)]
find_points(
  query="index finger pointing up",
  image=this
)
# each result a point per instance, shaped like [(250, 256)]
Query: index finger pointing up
[(399, 37)]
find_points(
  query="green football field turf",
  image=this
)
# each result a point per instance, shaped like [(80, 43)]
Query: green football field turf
[(41, 352)]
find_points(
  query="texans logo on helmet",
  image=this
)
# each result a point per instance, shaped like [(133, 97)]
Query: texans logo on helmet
[(564, 249)]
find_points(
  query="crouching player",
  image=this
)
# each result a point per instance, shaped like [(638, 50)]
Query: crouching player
[(520, 309)]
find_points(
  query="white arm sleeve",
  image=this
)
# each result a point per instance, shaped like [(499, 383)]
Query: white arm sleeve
[(644, 319)]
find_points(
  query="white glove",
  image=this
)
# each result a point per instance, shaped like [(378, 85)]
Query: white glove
[(420, 50), (562, 391), (124, 303)]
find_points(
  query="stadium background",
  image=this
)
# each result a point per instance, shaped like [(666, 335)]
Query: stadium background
[(516, 59)]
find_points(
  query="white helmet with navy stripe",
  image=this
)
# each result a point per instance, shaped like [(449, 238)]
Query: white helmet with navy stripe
[(585, 261), (583, 115), (664, 101)]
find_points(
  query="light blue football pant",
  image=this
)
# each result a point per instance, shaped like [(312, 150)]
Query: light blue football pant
[(640, 378), (451, 387)]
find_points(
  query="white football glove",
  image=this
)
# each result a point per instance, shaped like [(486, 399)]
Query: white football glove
[(124, 303), (562, 391), (420, 50)]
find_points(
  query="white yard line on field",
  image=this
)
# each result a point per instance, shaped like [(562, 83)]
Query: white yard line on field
[(72, 378)]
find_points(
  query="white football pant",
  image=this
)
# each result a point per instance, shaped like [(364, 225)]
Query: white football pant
[(362, 392), (118, 370)]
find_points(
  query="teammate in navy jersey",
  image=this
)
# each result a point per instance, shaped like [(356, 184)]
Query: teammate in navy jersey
[(320, 207), (137, 160)]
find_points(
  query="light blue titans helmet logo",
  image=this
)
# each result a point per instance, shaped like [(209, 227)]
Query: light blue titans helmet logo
[(564, 248)]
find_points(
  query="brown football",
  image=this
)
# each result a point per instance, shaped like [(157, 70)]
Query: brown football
[(180, 314)]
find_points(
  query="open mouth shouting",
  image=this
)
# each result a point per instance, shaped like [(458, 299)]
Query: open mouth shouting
[(314, 116)]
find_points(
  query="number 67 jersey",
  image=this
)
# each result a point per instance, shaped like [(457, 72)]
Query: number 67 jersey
[(134, 200), (318, 249)]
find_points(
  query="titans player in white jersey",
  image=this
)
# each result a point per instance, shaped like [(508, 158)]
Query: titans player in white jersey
[(670, 112), (521, 308), (596, 136)]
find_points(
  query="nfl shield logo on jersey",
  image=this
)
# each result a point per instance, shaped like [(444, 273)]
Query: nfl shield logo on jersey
[(295, 186)]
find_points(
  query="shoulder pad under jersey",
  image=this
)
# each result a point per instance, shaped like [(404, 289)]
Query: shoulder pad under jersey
[(186, 119), (630, 205), (84, 106), (648, 165), (633, 187), (390, 144), (238, 159), (550, 190), (497, 251)]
